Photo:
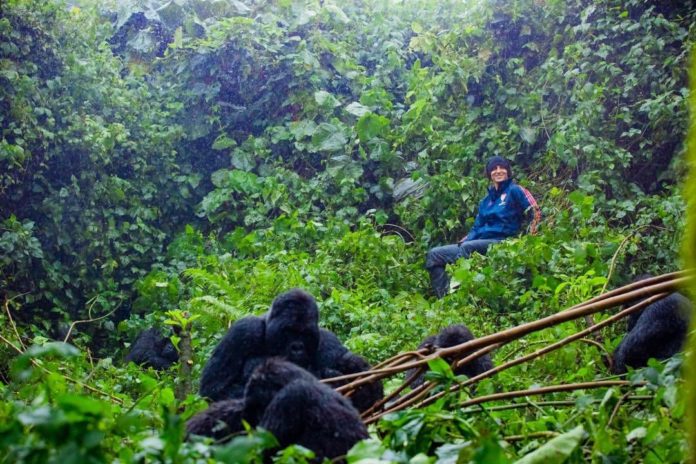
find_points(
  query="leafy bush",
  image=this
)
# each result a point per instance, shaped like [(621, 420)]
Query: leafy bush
[(187, 161)]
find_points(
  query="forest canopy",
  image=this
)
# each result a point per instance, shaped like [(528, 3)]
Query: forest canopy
[(180, 163)]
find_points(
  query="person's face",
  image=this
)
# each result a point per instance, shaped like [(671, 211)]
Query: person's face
[(499, 174)]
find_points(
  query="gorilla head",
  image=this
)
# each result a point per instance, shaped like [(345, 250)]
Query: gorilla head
[(454, 335), (266, 381), (292, 330)]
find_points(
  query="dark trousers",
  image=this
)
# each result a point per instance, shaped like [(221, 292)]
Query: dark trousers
[(438, 257)]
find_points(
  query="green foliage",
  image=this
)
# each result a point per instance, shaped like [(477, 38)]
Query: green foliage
[(556, 450), (93, 170), (268, 110), (184, 162), (689, 254), (19, 248)]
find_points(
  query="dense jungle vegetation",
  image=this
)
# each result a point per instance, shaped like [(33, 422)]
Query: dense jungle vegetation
[(180, 163)]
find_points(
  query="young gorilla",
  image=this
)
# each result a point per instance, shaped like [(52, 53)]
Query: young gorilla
[(297, 409), (220, 421), (288, 330), (293, 405), (334, 359), (452, 336), (656, 331), (152, 349)]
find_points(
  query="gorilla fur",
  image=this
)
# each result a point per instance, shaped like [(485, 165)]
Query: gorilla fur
[(657, 331), (334, 359), (454, 335), (220, 421), (289, 330), (297, 409), (152, 349), (292, 404)]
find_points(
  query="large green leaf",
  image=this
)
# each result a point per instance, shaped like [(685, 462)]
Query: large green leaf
[(237, 180), (556, 450), (356, 109), (326, 100), (303, 128), (329, 137), (371, 125)]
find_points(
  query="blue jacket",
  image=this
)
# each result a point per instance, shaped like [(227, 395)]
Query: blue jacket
[(501, 213)]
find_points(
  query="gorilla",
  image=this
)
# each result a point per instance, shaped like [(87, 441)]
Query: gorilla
[(297, 409), (220, 421), (292, 404), (334, 360), (657, 331), (454, 335), (289, 330), (152, 349)]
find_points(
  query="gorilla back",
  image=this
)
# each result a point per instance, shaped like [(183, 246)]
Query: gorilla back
[(658, 331), (152, 349), (220, 421), (293, 405)]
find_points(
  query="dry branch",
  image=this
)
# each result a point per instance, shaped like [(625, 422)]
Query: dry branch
[(419, 393), (597, 304), (549, 389), (91, 319), (541, 404), (12, 322), (655, 288), (398, 405), (79, 383)]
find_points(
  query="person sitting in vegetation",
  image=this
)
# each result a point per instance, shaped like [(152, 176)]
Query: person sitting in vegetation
[(501, 214)]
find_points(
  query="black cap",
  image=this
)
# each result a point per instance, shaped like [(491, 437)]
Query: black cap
[(498, 161)]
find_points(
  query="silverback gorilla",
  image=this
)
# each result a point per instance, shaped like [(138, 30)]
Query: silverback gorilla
[(152, 349), (293, 405), (657, 331), (454, 335), (289, 330)]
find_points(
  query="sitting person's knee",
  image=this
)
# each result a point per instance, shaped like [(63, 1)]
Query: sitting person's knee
[(441, 255), (466, 249), (431, 258)]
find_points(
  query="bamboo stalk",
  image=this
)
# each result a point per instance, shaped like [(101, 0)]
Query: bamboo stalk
[(559, 403), (595, 305), (396, 406), (546, 390)]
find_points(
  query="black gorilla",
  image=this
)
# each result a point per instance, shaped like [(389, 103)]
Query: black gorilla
[(288, 330), (452, 336), (656, 331), (293, 405), (333, 360), (152, 349), (219, 421), (297, 409)]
